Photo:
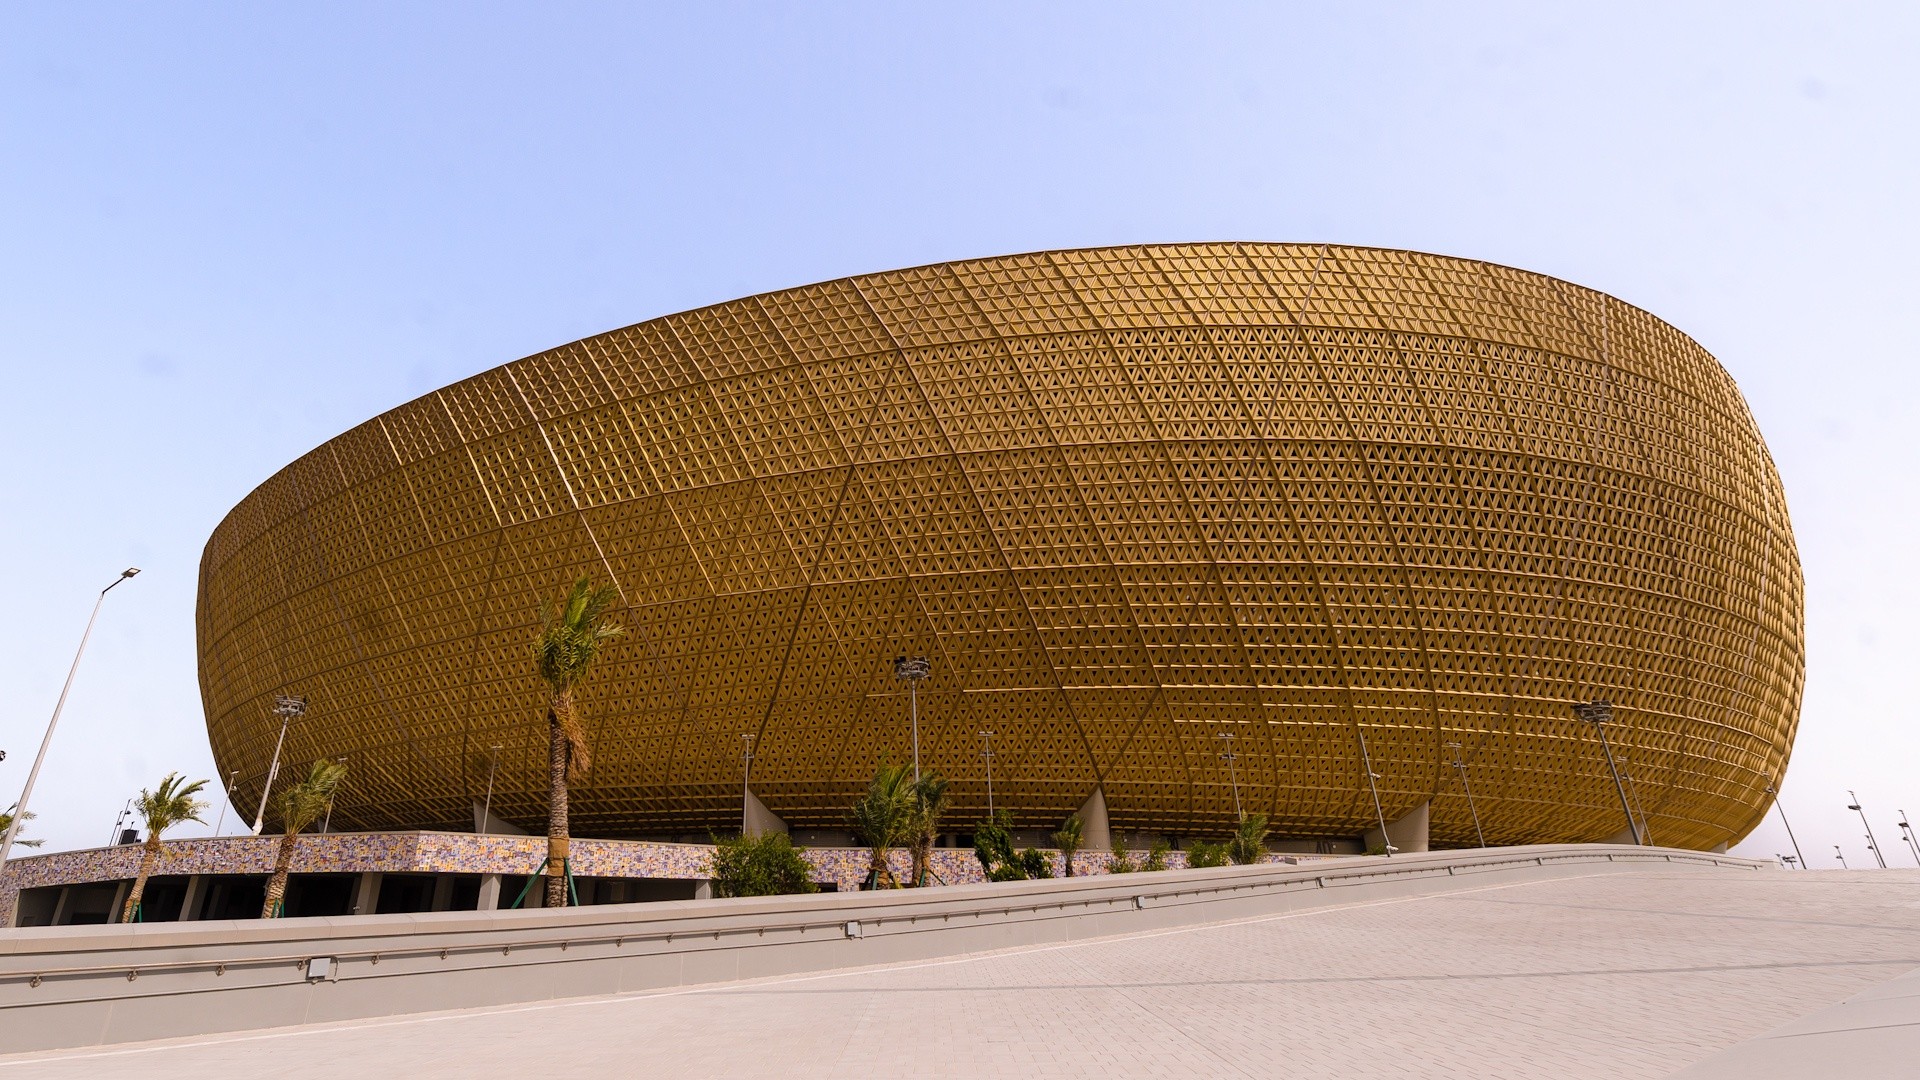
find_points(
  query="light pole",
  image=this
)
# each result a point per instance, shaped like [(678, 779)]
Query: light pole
[(20, 807), (913, 669), (1788, 861), (288, 709), (327, 825), (1233, 771), (1461, 766), (486, 808), (1598, 713), (987, 736), (1855, 806), (1842, 857), (1906, 830), (220, 822), (120, 821), (1775, 793), (746, 773), (1373, 785)]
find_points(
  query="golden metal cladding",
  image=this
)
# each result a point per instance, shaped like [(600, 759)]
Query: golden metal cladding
[(1125, 500)]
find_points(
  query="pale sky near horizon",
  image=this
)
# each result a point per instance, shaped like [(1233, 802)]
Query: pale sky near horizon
[(231, 232)]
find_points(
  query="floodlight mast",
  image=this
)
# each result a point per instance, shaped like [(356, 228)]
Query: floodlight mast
[(288, 709), (913, 669), (1774, 791), (1599, 713)]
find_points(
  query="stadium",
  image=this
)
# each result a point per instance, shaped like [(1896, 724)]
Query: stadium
[(1184, 531)]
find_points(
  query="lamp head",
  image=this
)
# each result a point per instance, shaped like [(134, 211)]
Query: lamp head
[(129, 571)]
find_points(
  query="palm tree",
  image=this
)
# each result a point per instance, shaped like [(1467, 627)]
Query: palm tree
[(300, 806), (1249, 841), (170, 804), (576, 629), (6, 822), (929, 803), (1068, 839), (884, 817)]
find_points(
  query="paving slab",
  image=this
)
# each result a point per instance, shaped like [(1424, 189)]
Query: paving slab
[(1603, 975)]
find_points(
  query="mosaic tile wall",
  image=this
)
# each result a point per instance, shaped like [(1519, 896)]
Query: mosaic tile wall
[(465, 853)]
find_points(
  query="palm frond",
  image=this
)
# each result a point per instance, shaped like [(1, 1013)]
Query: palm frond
[(170, 804), (302, 804)]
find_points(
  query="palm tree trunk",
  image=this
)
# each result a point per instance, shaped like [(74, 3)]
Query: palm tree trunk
[(556, 804), (277, 885), (1066, 862), (152, 850)]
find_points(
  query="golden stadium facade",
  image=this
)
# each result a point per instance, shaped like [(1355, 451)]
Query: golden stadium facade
[(1126, 500)]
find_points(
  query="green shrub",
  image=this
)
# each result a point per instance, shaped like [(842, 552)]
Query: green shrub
[(1203, 853), (993, 846), (1249, 841), (763, 864), (1121, 861), (1157, 856)]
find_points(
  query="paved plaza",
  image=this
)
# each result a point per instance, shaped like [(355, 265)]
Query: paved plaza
[(1600, 975)]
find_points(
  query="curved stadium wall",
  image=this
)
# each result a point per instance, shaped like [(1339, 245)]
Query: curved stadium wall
[(1126, 500)]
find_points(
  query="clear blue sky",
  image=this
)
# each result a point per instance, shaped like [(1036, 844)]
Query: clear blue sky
[(230, 232)]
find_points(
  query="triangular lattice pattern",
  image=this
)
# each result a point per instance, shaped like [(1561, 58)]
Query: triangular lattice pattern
[(1127, 500)]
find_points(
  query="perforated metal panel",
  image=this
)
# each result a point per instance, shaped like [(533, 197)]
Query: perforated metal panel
[(1125, 499)]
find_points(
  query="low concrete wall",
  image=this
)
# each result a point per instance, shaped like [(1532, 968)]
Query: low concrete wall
[(78, 986)]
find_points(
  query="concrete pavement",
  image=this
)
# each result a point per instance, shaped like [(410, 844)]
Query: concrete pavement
[(1601, 975)]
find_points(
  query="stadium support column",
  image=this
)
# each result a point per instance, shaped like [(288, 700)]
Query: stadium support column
[(489, 893), (1408, 833), (1095, 832), (755, 818)]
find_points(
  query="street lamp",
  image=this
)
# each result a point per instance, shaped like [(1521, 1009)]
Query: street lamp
[(913, 669), (288, 709), (1839, 855), (1906, 830), (1461, 766), (987, 736), (486, 808), (1855, 806), (1598, 713), (1774, 792), (327, 825), (1788, 861), (220, 822), (1373, 785), (20, 807), (746, 773), (119, 822), (1233, 771)]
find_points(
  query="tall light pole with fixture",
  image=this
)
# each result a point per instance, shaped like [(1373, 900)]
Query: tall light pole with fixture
[(20, 806), (1233, 771), (1906, 830), (1838, 854), (1775, 793), (288, 709), (221, 822), (987, 737), (1461, 766), (1373, 785), (1855, 806), (327, 826), (1598, 713), (486, 808), (913, 669), (746, 779)]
